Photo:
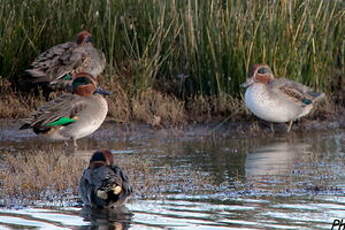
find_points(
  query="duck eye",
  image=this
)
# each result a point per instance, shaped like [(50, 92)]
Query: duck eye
[(263, 70)]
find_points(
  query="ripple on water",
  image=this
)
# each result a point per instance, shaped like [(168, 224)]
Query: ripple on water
[(281, 182)]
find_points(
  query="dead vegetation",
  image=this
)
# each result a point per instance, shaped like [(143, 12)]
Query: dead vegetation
[(216, 108), (148, 106), (14, 104), (159, 109), (35, 173), (31, 173)]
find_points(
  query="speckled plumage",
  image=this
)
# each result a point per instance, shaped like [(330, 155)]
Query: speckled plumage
[(277, 100), (104, 185), (67, 58)]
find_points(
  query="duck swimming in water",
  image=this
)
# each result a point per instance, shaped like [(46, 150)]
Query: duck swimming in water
[(103, 184)]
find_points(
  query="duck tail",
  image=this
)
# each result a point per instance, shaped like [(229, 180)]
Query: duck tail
[(316, 96), (25, 126), (41, 129), (36, 76), (312, 97), (35, 73)]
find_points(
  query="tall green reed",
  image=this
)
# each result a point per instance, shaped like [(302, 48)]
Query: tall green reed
[(191, 47)]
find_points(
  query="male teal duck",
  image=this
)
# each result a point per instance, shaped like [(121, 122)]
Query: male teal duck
[(103, 184), (57, 65), (71, 116), (277, 100)]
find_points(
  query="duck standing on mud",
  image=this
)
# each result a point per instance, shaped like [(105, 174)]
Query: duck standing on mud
[(277, 100), (71, 116), (104, 185), (54, 67)]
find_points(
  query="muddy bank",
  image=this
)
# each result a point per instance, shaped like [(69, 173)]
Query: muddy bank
[(136, 131), (165, 111)]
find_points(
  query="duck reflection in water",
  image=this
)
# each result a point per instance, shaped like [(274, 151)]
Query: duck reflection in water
[(106, 219), (276, 159), (103, 184)]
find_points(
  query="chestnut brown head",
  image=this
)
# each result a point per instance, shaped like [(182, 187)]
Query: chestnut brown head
[(101, 158), (84, 37), (84, 84), (260, 73)]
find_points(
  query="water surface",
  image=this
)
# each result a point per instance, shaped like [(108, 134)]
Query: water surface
[(281, 181)]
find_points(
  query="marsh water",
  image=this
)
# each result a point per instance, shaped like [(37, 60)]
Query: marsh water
[(281, 181)]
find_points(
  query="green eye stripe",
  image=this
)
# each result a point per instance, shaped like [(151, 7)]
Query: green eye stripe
[(81, 81), (263, 70)]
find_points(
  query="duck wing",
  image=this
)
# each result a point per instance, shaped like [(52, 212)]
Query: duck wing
[(295, 91), (61, 111), (86, 187), (45, 66), (123, 181)]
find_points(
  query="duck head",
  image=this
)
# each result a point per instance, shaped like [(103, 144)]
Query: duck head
[(107, 190), (84, 84), (259, 74), (101, 158), (84, 37)]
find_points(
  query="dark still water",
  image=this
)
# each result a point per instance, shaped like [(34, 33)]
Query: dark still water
[(294, 181)]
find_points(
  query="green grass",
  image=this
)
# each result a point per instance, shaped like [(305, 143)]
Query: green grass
[(152, 43)]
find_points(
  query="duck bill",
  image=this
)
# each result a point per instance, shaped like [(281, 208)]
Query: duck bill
[(248, 83), (102, 91)]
